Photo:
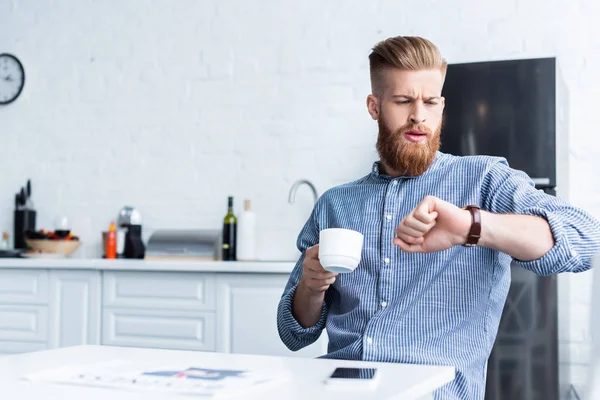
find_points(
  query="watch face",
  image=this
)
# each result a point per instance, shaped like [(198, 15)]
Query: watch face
[(12, 78)]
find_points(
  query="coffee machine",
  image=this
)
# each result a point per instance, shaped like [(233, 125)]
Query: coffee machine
[(130, 221)]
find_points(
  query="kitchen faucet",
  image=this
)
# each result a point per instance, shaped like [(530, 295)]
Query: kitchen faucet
[(297, 184)]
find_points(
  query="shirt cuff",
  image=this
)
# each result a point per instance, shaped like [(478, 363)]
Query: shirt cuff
[(562, 257), (292, 333)]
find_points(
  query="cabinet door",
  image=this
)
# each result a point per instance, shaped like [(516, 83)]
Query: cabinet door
[(160, 290), (159, 329), (23, 323), (74, 308), (247, 316), (24, 286)]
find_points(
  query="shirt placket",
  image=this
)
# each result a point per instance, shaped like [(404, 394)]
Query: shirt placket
[(388, 229)]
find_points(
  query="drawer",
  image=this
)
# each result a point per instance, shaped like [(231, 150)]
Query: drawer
[(9, 348), (21, 286), (23, 323), (179, 330), (160, 290)]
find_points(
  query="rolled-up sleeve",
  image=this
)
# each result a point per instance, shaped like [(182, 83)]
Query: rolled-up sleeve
[(576, 233), (292, 334)]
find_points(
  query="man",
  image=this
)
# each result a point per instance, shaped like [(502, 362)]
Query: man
[(434, 275)]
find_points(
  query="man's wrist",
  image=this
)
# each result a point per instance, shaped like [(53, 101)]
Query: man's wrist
[(487, 220), (473, 228), (465, 223)]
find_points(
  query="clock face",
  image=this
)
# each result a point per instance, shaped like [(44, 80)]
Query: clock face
[(12, 78)]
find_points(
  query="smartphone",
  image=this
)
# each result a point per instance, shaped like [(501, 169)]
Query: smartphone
[(353, 378)]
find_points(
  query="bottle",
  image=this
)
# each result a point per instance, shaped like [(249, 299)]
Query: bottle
[(4, 243), (229, 233), (247, 233), (111, 241)]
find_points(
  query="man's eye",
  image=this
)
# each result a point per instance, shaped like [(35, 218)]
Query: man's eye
[(403, 102)]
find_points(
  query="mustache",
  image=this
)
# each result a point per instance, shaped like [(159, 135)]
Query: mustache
[(413, 127)]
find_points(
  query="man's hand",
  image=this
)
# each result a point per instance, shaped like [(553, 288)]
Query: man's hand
[(310, 294), (433, 225), (314, 277)]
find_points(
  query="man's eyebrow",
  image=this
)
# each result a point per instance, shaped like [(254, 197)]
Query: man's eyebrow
[(412, 98)]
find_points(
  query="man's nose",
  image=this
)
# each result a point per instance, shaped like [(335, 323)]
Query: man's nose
[(417, 119), (417, 115)]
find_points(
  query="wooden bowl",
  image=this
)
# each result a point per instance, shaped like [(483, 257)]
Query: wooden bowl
[(64, 247)]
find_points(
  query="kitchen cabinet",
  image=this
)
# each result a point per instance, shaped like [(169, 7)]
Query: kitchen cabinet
[(247, 316), (74, 308), (202, 310), (44, 309), (23, 323), (160, 329), (29, 287)]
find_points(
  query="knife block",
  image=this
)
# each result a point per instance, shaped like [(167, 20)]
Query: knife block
[(24, 220)]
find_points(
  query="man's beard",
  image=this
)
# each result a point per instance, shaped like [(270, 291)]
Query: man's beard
[(403, 156)]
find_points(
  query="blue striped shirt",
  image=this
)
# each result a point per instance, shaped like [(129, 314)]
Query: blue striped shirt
[(440, 308)]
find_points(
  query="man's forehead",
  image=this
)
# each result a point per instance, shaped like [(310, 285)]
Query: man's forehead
[(414, 83)]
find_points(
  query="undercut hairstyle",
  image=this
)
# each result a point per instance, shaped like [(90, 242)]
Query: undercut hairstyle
[(403, 52)]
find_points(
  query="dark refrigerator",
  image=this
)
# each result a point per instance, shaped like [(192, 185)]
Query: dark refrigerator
[(508, 108)]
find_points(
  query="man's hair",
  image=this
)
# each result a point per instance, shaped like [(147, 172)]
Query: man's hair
[(404, 52)]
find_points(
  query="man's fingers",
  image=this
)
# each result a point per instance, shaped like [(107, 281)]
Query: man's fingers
[(404, 229), (425, 210), (423, 214), (328, 281), (410, 239), (320, 285), (315, 266), (407, 247), (415, 226), (322, 274), (316, 270), (326, 274), (313, 252)]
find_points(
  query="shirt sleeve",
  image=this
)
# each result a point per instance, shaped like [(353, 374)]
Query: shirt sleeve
[(292, 334), (576, 233)]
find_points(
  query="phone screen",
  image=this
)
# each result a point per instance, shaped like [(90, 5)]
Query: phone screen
[(354, 373)]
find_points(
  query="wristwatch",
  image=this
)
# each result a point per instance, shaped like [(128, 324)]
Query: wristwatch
[(475, 231)]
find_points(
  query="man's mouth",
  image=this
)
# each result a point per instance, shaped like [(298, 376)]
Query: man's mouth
[(415, 136)]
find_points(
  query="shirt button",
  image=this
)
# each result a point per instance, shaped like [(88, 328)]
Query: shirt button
[(394, 183), (574, 253), (386, 260), (383, 304), (369, 340), (388, 217)]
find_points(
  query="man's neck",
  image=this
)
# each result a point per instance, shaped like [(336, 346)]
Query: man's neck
[(386, 170)]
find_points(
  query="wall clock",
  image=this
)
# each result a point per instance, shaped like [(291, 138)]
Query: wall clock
[(12, 78)]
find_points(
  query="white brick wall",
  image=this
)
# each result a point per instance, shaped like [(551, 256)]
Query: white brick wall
[(171, 106)]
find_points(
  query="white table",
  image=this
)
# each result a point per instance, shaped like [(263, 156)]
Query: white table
[(398, 381)]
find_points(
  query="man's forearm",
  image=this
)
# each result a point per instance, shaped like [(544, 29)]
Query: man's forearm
[(523, 237), (307, 305)]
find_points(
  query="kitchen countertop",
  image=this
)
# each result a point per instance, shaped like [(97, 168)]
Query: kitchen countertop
[(304, 377), (278, 267)]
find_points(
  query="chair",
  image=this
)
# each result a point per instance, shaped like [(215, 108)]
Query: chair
[(593, 387)]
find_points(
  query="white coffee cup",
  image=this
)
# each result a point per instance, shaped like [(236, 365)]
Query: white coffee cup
[(340, 249)]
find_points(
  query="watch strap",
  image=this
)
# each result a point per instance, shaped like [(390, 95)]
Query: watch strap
[(475, 231)]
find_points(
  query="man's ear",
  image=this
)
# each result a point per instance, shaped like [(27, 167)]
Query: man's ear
[(373, 106), (443, 100)]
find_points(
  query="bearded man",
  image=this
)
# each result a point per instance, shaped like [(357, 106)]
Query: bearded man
[(440, 233)]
